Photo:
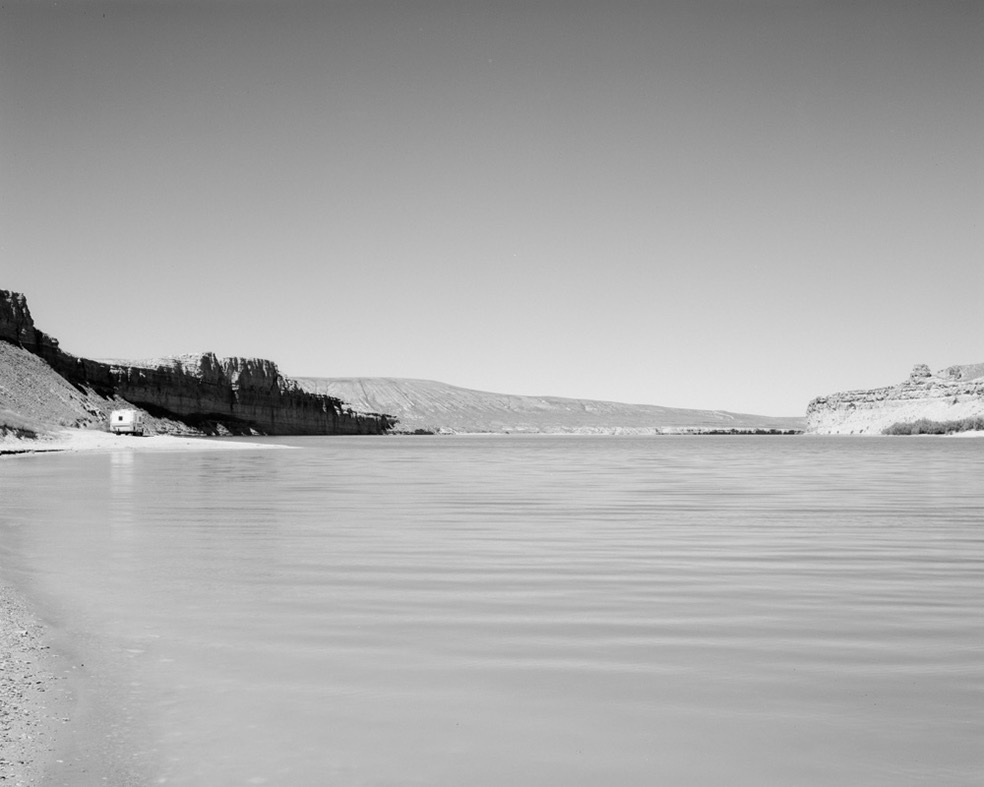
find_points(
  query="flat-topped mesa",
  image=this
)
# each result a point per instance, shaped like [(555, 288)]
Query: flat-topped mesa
[(212, 394), (952, 394)]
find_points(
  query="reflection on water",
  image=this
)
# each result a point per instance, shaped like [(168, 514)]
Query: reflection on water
[(521, 610), (122, 503)]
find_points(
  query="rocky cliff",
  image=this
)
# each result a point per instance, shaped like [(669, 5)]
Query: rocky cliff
[(17, 326), (951, 394), (241, 394), (208, 394)]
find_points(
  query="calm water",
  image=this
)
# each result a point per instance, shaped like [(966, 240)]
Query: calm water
[(516, 611)]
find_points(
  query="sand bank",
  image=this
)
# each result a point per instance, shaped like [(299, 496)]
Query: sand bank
[(78, 440)]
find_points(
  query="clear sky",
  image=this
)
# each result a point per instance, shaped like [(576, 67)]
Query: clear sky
[(737, 205)]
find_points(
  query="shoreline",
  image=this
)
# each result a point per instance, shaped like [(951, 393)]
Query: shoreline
[(90, 440), (37, 700), (36, 695), (34, 701), (94, 441)]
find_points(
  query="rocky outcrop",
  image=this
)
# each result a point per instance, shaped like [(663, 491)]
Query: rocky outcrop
[(952, 394), (17, 326), (209, 394)]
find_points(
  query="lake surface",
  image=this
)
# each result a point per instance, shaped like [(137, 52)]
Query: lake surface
[(515, 610)]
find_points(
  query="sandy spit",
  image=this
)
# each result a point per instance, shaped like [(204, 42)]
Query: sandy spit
[(79, 440)]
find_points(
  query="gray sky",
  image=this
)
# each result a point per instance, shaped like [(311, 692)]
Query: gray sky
[(736, 205)]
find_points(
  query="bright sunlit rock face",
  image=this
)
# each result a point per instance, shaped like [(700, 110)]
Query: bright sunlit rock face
[(952, 394)]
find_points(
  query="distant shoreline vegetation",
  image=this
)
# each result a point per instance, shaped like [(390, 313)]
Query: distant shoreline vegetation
[(670, 432), (748, 431), (926, 426)]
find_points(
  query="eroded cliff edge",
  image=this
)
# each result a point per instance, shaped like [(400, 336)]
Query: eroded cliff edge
[(955, 393), (203, 392)]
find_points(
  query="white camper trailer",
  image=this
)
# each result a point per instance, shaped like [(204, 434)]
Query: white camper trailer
[(126, 422)]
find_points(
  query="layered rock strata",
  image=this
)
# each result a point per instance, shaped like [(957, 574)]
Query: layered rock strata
[(242, 394), (17, 326), (209, 394), (952, 394)]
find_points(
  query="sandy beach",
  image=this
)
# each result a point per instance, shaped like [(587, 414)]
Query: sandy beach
[(34, 700), (78, 440)]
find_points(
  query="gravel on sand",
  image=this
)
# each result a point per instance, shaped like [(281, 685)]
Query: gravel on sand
[(34, 701)]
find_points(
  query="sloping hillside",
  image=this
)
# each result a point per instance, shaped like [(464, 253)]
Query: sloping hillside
[(438, 407), (35, 399)]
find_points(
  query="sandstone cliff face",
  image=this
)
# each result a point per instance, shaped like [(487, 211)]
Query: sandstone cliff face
[(241, 394), (17, 325), (950, 394), (210, 394)]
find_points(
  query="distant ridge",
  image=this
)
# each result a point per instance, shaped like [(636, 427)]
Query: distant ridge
[(42, 386), (438, 407)]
